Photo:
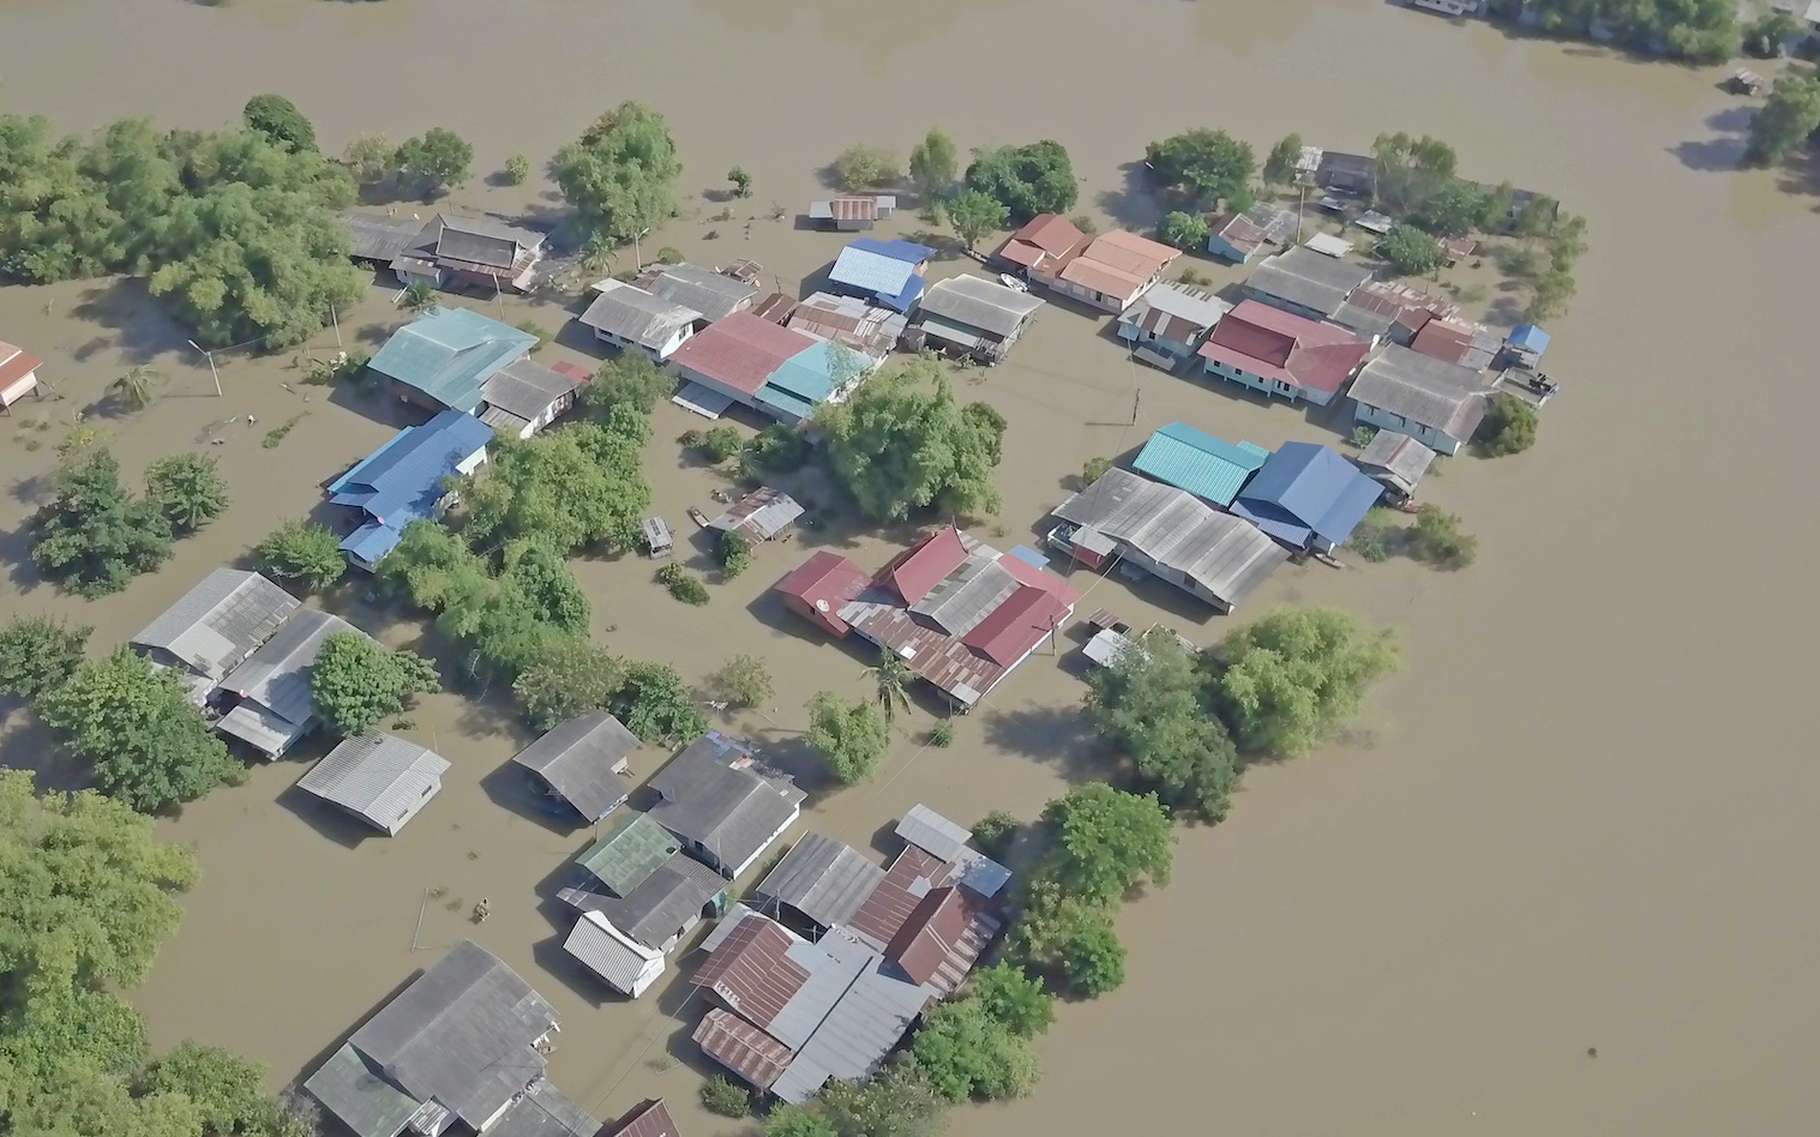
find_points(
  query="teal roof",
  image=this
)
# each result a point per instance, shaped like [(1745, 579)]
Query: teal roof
[(631, 847), (450, 353), (1207, 467), (809, 374)]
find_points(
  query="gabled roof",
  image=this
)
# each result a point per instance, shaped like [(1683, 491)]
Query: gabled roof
[(1047, 236), (933, 833), (401, 481), (1428, 392), (865, 1021), (449, 354), (1020, 622), (1176, 311), (943, 937), (923, 566), (577, 759), (849, 321), (1207, 467), (220, 621), (1277, 345), (740, 351), (277, 676), (359, 1095), (660, 905), (1529, 337), (527, 389), (1307, 490), (1307, 279), (715, 295), (380, 776), (629, 848), (823, 879), (1398, 458), (970, 593), (887, 270), (824, 582), (543, 1112), (1261, 225), (975, 302), (752, 972), (742, 1048), (648, 1118), (631, 313), (482, 242), (730, 811), (764, 513)]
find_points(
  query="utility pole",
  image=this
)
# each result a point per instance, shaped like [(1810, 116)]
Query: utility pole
[(336, 321), (638, 260), (210, 356)]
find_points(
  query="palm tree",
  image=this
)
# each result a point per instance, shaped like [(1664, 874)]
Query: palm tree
[(420, 296), (138, 387), (892, 678)]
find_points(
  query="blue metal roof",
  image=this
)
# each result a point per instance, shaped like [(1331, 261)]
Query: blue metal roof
[(909, 251), (1529, 337), (1029, 556), (371, 542), (450, 353), (402, 480), (1307, 491), (1207, 467), (885, 270)]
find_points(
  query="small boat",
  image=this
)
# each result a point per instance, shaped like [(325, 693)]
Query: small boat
[(698, 517), (1016, 284), (1745, 82), (1327, 559), (1404, 505)]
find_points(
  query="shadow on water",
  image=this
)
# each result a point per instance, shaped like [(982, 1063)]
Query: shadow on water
[(1725, 151)]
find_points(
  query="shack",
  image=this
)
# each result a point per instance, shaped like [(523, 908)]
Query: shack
[(1397, 461), (974, 317), (18, 375), (761, 515), (582, 764)]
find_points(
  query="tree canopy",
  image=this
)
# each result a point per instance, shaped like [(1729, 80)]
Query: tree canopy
[(1014, 999), (1183, 230), (1288, 681), (38, 654), (1037, 177), (571, 677), (1410, 251), (1150, 704), (1509, 426), (188, 489), (95, 536), (302, 551), (975, 214), (903, 444), (656, 705), (1068, 939), (1107, 841), (1210, 164), (934, 164), (1280, 165), (897, 1101), (630, 378), (1704, 31), (575, 486), (1787, 119), (620, 175), (134, 724), (279, 120), (1454, 210), (1411, 170), (864, 166), (436, 160), (355, 682), (851, 736), (966, 1053)]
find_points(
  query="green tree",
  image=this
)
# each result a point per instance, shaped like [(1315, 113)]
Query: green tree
[(1107, 841), (656, 705), (1411, 169), (134, 725), (1509, 426), (188, 489), (862, 166), (683, 584), (903, 444), (1183, 230), (630, 379), (1453, 210), (720, 443), (576, 486), (1013, 998), (897, 1101), (620, 175), (734, 552), (1069, 940), (278, 119), (420, 296), (797, 1121), (744, 681), (94, 537), (1149, 704), (356, 683), (1037, 177), (1288, 681), (1210, 164), (722, 1095), (1764, 36), (994, 833), (852, 737), (137, 386), (570, 677), (224, 1088), (434, 161), (1437, 537), (1377, 535), (777, 448), (934, 164), (301, 551), (1553, 290), (517, 170), (966, 1053), (941, 734), (546, 581), (38, 654), (1280, 164), (742, 182), (974, 214), (1093, 469), (1409, 251), (891, 678), (370, 158)]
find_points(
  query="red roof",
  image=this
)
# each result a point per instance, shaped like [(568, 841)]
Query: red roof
[(740, 351), (1009, 631), (1277, 345), (742, 1048), (943, 937), (921, 568), (751, 970), (1027, 573), (1045, 237), (1442, 339), (894, 900), (823, 583), (648, 1118), (15, 363)]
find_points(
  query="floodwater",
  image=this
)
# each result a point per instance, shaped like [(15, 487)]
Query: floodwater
[(1580, 818)]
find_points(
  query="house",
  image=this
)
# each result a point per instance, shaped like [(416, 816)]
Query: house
[(1340, 172), (1044, 244), (959, 613), (664, 906), (627, 848), (648, 1118), (213, 627), (851, 212), (457, 359), (1307, 497), (888, 273), (380, 778), (821, 880), (751, 361), (449, 251), (628, 966), (1169, 322), (403, 481), (1379, 310), (1329, 245), (1433, 401), (1210, 468), (18, 375), (848, 321), (628, 317), (1111, 272), (267, 697), (463, 1046), (1527, 342), (1282, 354), (971, 316), (1472, 346), (1397, 461), (1168, 533), (582, 763), (760, 515), (1240, 237), (723, 803), (716, 295), (1304, 282)]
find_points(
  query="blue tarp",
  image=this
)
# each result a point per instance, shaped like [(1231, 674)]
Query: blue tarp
[(1306, 495), (882, 270), (402, 481)]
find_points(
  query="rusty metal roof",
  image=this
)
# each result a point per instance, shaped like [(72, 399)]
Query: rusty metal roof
[(742, 1048), (751, 970)]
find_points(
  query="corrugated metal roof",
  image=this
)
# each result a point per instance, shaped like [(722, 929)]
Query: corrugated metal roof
[(715, 295), (823, 879), (764, 513), (578, 758), (646, 1119), (1397, 457), (913, 872), (1427, 391), (449, 353), (665, 903), (868, 1020), (924, 565), (713, 797), (380, 776), (1307, 279), (1207, 467), (631, 313), (543, 1111), (1307, 491), (402, 481), (933, 833), (630, 848), (969, 593), (612, 955), (741, 351), (741, 1047), (975, 302), (359, 1096), (277, 676), (527, 389), (220, 621), (752, 971), (943, 938)]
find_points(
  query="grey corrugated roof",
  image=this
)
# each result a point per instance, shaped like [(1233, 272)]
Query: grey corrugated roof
[(1308, 279), (1226, 555), (973, 591), (713, 294), (980, 303), (931, 832), (731, 812), (832, 964), (823, 879), (461, 1033), (1397, 457), (380, 776), (219, 622), (631, 313), (1198, 306), (360, 1097), (277, 676), (857, 1033), (483, 242), (1427, 391), (577, 759), (526, 389), (608, 952), (379, 237), (661, 904), (544, 1112)]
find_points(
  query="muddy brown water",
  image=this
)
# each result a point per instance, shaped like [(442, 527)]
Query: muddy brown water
[(1581, 817)]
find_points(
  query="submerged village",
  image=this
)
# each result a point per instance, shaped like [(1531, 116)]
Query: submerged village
[(824, 988)]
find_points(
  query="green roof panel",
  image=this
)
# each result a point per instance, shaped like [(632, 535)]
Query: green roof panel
[(630, 848)]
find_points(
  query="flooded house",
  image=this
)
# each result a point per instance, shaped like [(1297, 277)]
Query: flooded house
[(649, 1118), (1525, 345), (725, 805), (1167, 533), (755, 363), (629, 318), (1210, 468), (1110, 272), (1307, 497), (1167, 324), (581, 766), (851, 213), (1240, 238), (382, 779), (849, 321), (1042, 246), (1397, 462), (1340, 172), (266, 700), (886, 273), (462, 1049), (1433, 401), (1380, 310), (716, 295), (211, 629), (457, 359), (974, 317), (449, 251), (820, 883), (1305, 283), (1282, 354), (403, 481), (762, 515), (18, 375)]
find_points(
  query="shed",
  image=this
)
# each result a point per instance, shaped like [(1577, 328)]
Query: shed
[(1209, 468), (851, 212), (658, 540), (380, 778), (1307, 497), (211, 628), (583, 762), (742, 1048), (976, 316), (1397, 461), (1329, 245), (761, 514), (18, 374), (817, 589), (648, 1118), (822, 878)]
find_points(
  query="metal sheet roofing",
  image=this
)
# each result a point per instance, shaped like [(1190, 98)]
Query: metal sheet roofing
[(359, 1096), (380, 776), (943, 937), (1016, 625), (1307, 279), (933, 833), (732, 812), (543, 1111), (852, 1039), (925, 564), (1198, 309), (715, 295), (646, 1119), (1529, 337), (1273, 344), (1209, 468), (1307, 491), (823, 879), (741, 1047), (975, 302), (610, 953), (379, 236), (660, 906), (1397, 458), (913, 873), (889, 271), (824, 583), (402, 481), (528, 390), (448, 354), (1427, 391), (630, 313), (763, 513), (752, 970), (578, 759), (629, 848), (220, 621), (741, 351), (968, 594), (277, 676)]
